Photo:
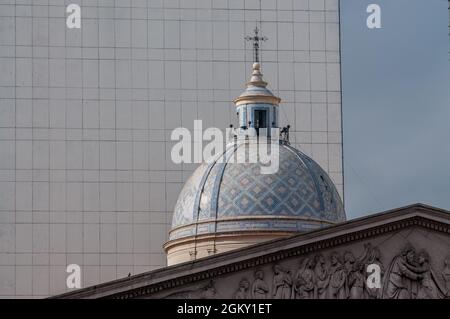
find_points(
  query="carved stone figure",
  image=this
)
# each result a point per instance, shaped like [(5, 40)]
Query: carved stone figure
[(357, 281), (242, 292), (203, 291), (446, 276), (259, 286), (338, 277), (349, 260), (209, 291), (303, 285), (179, 295), (429, 287), (321, 277), (282, 282), (371, 256), (409, 276), (402, 276)]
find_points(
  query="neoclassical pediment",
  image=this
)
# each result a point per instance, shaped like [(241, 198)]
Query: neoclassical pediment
[(409, 246)]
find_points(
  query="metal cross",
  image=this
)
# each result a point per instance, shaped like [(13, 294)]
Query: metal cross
[(256, 39)]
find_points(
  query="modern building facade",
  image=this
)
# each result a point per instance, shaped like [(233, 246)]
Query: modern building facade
[(86, 115)]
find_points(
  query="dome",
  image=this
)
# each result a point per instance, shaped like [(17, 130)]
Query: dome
[(230, 202), (235, 197)]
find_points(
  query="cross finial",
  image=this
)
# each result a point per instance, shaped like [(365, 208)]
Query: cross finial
[(256, 40)]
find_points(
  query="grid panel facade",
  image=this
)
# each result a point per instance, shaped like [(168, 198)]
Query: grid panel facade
[(86, 116)]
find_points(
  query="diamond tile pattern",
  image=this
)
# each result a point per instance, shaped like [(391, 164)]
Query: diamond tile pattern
[(300, 188), (184, 208)]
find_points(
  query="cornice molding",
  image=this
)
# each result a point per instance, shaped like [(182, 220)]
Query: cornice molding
[(252, 99)]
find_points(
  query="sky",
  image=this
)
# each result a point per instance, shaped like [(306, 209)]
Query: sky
[(396, 105)]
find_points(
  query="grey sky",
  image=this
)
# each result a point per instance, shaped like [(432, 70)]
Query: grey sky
[(396, 105)]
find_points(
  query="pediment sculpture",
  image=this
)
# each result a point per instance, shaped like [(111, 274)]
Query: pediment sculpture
[(408, 275)]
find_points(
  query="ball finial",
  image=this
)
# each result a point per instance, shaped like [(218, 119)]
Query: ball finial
[(256, 66)]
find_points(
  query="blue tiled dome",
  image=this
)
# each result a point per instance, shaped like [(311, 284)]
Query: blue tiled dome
[(230, 197), (235, 198)]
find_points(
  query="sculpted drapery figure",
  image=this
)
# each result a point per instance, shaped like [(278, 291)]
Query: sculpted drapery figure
[(338, 277), (259, 286), (409, 276), (355, 277), (209, 291), (242, 292), (446, 276), (321, 277), (371, 256), (203, 291), (402, 276), (349, 260), (303, 285), (429, 287), (282, 282), (357, 281)]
